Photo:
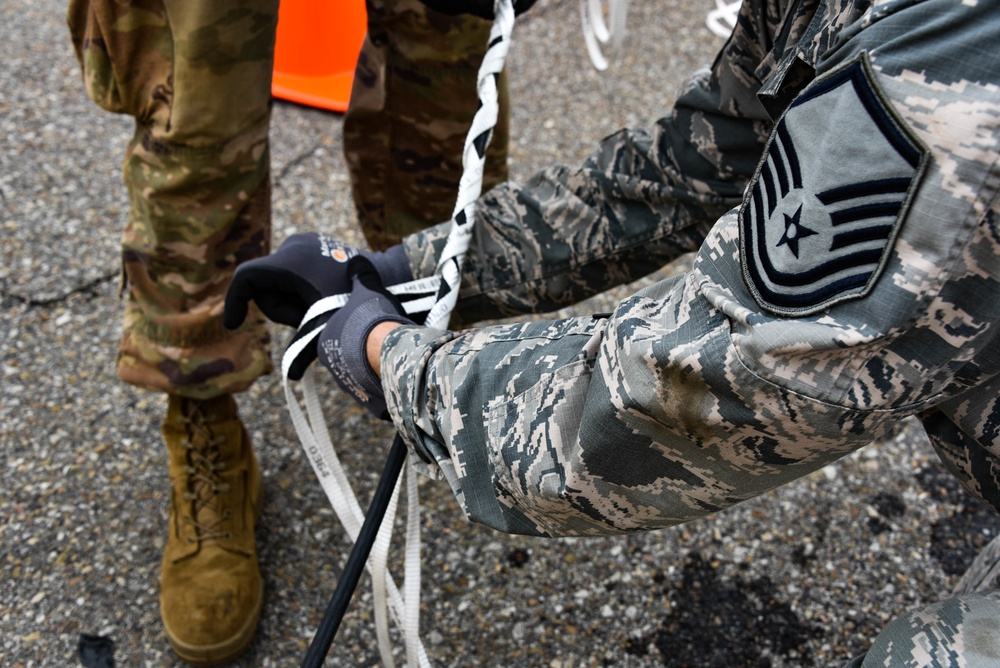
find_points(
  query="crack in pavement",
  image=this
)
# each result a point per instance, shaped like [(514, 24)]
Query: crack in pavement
[(89, 288), (294, 162), (7, 299)]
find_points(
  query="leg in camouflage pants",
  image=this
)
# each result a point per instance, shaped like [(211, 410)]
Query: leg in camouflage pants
[(197, 81), (958, 631), (411, 106), (196, 77), (197, 170)]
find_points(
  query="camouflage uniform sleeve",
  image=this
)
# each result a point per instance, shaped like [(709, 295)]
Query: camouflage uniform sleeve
[(639, 201), (857, 284), (963, 431)]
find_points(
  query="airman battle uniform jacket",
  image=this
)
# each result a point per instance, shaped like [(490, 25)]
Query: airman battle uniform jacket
[(836, 172)]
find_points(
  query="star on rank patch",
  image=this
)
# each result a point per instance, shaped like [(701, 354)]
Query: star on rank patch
[(820, 216), (794, 230)]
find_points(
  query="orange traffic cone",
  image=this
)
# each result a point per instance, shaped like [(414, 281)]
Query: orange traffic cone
[(316, 50)]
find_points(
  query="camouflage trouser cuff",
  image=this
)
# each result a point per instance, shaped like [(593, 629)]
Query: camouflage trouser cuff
[(226, 365), (196, 213)]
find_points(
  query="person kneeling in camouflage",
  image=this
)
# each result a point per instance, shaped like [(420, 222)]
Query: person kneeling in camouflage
[(836, 174)]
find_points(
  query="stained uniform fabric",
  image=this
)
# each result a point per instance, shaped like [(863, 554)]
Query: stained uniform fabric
[(955, 632), (960, 630), (836, 172), (197, 79)]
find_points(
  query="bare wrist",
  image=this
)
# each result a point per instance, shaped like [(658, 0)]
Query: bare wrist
[(373, 346)]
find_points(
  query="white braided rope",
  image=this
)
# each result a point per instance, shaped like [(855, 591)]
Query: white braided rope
[(470, 186), (438, 295)]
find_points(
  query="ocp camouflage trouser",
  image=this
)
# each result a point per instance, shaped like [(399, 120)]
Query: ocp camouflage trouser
[(196, 77), (411, 106)]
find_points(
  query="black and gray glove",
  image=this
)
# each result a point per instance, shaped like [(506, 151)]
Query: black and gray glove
[(306, 268), (341, 344), (481, 8)]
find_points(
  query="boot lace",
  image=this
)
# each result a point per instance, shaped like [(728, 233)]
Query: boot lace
[(208, 511)]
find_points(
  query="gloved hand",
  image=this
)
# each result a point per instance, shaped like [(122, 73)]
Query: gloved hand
[(341, 344), (481, 8), (306, 268)]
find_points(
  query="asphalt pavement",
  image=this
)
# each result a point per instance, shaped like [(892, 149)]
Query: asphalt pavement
[(802, 576)]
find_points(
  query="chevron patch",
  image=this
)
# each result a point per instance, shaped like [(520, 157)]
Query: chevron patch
[(819, 219)]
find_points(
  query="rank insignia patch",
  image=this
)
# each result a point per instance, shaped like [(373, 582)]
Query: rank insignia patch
[(818, 221)]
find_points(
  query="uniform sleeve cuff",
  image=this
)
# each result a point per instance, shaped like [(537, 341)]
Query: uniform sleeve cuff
[(404, 359)]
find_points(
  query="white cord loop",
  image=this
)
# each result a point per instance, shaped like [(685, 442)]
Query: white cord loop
[(597, 33), (436, 295)]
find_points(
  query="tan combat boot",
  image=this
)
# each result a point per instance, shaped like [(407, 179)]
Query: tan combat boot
[(210, 587)]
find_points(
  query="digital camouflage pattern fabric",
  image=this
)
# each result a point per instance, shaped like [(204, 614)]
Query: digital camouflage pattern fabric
[(412, 102), (695, 394), (960, 630), (836, 172), (197, 80)]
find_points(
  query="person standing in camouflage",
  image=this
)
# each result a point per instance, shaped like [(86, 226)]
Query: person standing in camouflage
[(197, 79), (836, 173)]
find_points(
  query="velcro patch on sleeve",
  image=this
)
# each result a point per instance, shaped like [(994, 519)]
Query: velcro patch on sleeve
[(821, 214)]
